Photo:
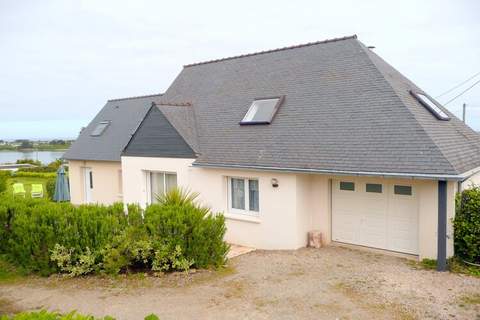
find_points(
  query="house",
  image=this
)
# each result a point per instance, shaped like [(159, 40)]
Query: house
[(323, 136), (95, 170)]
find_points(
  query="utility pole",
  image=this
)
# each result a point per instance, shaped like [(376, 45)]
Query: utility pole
[(464, 108)]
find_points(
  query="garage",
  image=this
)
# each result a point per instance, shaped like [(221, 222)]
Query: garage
[(375, 214)]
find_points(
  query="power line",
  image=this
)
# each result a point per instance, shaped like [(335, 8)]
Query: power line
[(461, 93), (458, 85)]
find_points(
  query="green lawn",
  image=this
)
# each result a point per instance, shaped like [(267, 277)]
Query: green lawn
[(27, 183)]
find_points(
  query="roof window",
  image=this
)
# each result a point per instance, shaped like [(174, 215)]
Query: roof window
[(262, 110), (431, 105), (100, 128)]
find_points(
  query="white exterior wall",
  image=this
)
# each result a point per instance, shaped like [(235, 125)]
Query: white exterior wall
[(107, 185), (474, 180), (301, 202)]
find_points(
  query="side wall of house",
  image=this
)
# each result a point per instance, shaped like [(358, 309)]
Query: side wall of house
[(300, 203), (107, 183), (277, 225), (474, 180)]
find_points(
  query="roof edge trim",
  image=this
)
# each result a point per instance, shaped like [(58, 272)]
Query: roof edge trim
[(337, 172), (272, 50), (136, 97)]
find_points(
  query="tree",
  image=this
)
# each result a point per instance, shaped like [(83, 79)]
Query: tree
[(26, 144)]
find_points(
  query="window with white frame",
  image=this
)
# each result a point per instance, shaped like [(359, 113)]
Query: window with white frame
[(160, 183), (243, 195)]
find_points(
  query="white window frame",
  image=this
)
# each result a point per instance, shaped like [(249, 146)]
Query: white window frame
[(148, 182), (247, 211)]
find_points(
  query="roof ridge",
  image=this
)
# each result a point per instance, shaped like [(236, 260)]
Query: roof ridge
[(272, 50), (136, 97), (173, 104)]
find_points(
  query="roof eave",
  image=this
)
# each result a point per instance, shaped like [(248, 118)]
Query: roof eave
[(419, 176)]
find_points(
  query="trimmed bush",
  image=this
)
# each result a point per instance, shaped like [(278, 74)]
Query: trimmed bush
[(178, 221), (50, 186), (47, 237), (4, 175), (467, 225), (46, 315), (38, 169), (34, 174)]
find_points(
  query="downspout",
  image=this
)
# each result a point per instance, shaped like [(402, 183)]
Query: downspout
[(442, 226)]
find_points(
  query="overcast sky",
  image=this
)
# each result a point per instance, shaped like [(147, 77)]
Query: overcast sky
[(61, 60)]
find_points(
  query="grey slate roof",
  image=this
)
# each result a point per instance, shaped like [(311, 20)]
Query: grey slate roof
[(345, 109), (125, 116), (157, 137)]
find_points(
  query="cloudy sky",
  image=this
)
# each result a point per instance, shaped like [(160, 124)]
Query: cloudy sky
[(61, 60)]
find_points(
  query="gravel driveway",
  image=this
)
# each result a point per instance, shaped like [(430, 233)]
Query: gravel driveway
[(329, 283)]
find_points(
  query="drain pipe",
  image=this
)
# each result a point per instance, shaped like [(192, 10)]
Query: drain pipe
[(442, 226)]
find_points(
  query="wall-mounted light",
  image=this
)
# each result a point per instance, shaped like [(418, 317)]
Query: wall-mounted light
[(274, 182)]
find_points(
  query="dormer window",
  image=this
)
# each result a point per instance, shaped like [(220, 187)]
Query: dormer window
[(262, 110), (100, 128), (431, 105)]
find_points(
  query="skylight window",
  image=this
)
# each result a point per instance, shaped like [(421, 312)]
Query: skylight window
[(100, 128), (431, 105), (262, 110)]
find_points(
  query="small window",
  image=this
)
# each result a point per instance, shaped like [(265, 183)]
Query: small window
[(403, 190), (160, 184), (100, 128), (431, 105), (262, 111), (373, 187), (347, 186), (90, 179), (244, 195)]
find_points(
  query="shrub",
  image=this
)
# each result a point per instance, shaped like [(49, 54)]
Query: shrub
[(46, 315), (29, 161), (47, 237), (4, 175), (35, 227), (34, 174), (50, 186), (177, 220), (467, 225), (38, 169)]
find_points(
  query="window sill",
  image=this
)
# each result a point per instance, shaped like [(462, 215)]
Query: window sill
[(242, 217)]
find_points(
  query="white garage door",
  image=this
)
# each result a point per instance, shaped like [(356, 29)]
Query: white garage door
[(375, 214)]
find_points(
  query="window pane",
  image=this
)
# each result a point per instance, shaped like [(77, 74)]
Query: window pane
[(100, 128), (403, 190), (157, 185), (348, 186), (261, 111), (171, 181), (253, 195), (238, 193), (431, 105), (374, 187)]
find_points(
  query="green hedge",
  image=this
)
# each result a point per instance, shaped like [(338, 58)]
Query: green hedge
[(46, 315), (4, 176), (467, 225), (47, 237), (34, 174), (38, 169)]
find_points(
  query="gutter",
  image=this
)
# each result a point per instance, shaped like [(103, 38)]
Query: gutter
[(443, 177)]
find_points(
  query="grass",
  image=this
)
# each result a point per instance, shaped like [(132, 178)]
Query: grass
[(10, 273), (473, 299), (27, 183), (455, 265)]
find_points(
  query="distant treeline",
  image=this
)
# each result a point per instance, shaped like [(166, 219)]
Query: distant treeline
[(20, 144)]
